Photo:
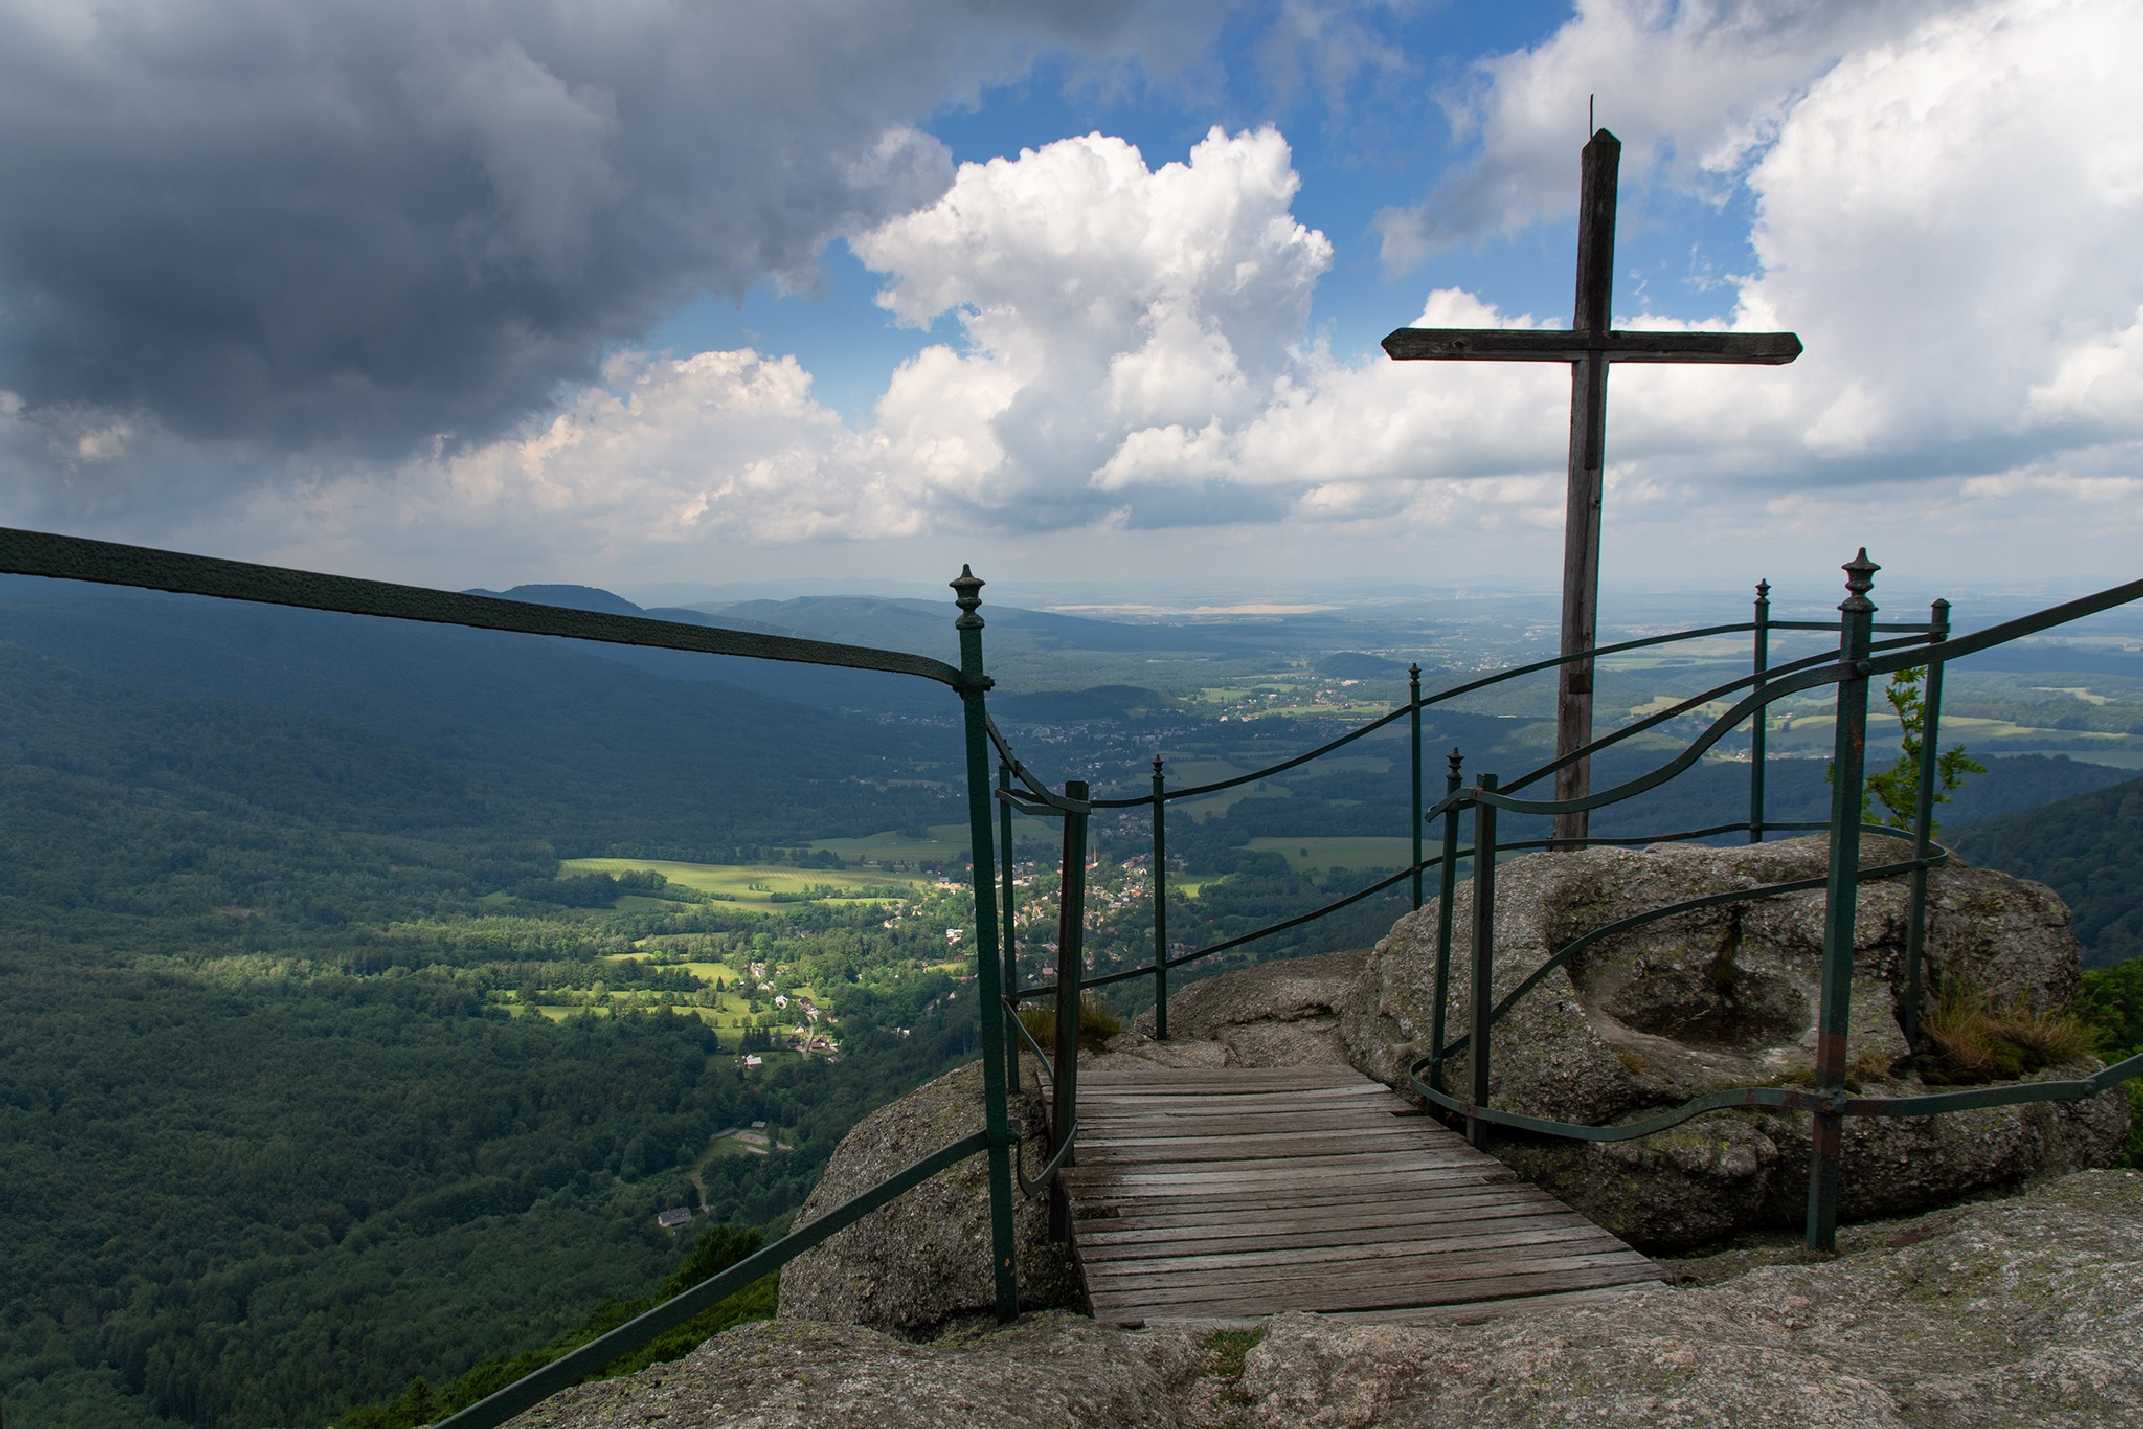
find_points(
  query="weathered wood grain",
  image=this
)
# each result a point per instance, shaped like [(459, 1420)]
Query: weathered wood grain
[(1218, 1193)]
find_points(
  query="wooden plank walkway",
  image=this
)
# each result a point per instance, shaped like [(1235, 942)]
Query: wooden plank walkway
[(1232, 1193)]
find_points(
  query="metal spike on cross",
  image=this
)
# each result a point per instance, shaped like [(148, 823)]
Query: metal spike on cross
[(1589, 345)]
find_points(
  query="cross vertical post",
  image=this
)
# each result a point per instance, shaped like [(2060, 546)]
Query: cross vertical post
[(1589, 345), (1587, 477)]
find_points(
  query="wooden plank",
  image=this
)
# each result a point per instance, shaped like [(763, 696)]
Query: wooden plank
[(1309, 1171), (1325, 1294), (1523, 1239), (1445, 1204), (1249, 1104), (1224, 1087), (1322, 1073), (1169, 1198), (1223, 1236), (1250, 1143), (1327, 1156), (1302, 1099), (1224, 1120)]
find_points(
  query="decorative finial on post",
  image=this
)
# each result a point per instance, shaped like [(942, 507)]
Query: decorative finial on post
[(967, 594), (1942, 608), (1455, 759), (1859, 580), (1157, 763), (1414, 670), (1763, 590)]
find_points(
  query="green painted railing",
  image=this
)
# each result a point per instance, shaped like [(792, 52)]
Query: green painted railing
[(1859, 659)]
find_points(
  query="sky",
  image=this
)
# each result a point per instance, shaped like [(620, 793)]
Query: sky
[(684, 298)]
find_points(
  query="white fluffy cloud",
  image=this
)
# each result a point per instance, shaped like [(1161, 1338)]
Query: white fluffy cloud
[(1945, 214), (1692, 88)]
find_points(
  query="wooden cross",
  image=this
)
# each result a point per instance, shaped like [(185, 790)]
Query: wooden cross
[(1588, 345)]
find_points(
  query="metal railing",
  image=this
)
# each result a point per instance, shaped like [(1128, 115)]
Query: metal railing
[(1858, 659)]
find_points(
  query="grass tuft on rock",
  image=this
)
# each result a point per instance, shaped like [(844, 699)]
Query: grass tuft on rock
[(1098, 1022), (1975, 1041)]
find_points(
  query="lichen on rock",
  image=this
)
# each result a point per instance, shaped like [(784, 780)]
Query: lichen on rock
[(1723, 997)]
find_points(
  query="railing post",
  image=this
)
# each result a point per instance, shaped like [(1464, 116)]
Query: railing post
[(1759, 726), (1071, 967), (1010, 938), (1841, 902), (1484, 953), (1447, 887), (1160, 903), (967, 588), (1413, 699), (1923, 821)]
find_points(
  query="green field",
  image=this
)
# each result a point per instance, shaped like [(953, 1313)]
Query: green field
[(943, 843), (1186, 773), (744, 885), (1366, 851)]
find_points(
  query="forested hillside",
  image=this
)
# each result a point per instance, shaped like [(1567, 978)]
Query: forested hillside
[(2089, 849), (273, 1144)]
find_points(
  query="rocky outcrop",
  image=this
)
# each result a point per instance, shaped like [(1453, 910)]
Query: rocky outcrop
[(1724, 997), (1277, 1014), (924, 1259), (1996, 1313)]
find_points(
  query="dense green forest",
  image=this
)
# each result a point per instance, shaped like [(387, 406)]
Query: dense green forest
[(2089, 849)]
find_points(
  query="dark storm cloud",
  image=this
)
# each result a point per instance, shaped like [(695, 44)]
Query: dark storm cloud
[(364, 223)]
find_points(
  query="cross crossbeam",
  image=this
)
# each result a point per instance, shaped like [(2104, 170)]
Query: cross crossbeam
[(1590, 346), (1504, 344)]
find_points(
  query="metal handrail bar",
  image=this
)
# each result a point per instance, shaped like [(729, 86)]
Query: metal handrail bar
[(1658, 717), (1039, 1186), (571, 1368), (42, 553), (1193, 791), (1941, 651), (1790, 1099)]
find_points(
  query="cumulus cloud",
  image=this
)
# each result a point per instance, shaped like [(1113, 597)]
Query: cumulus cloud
[(1944, 217), (363, 223), (1692, 88)]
